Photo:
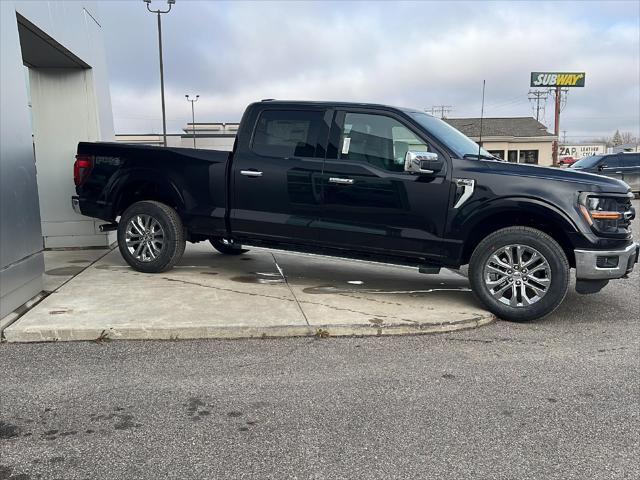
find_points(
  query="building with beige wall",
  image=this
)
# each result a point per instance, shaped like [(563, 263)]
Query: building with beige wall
[(516, 139), (581, 150)]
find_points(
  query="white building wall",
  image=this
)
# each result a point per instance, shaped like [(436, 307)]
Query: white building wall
[(69, 105)]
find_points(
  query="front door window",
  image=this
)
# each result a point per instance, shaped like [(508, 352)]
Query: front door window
[(378, 140)]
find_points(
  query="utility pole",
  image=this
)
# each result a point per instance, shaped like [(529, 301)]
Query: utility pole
[(558, 94), (158, 13), (193, 117), (556, 129), (537, 96), (564, 136), (444, 110)]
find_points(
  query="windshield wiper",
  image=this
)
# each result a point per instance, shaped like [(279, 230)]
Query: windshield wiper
[(481, 157)]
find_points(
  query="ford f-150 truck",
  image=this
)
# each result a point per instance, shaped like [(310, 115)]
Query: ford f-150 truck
[(370, 182)]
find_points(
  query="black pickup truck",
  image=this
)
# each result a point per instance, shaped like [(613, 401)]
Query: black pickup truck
[(371, 182)]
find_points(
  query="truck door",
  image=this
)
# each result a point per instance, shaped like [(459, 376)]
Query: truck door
[(370, 202), (611, 166), (276, 175), (625, 167)]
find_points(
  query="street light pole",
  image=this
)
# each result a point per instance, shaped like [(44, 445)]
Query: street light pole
[(158, 13), (193, 117)]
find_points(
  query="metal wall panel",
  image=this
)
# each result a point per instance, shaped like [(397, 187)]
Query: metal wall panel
[(21, 265), (72, 32)]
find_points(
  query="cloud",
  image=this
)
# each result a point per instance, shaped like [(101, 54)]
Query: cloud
[(409, 54)]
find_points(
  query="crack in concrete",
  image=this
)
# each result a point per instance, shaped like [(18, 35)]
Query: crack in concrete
[(333, 307), (294, 299), (290, 289), (300, 302), (374, 300), (187, 282)]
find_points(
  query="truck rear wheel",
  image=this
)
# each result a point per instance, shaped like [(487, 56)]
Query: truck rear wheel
[(227, 246), (519, 273), (151, 236)]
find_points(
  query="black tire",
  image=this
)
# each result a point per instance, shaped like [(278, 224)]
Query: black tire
[(558, 268), (227, 247), (173, 239)]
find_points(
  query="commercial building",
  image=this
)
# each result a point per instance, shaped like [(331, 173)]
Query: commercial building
[(579, 150), (212, 136), (516, 139), (54, 94)]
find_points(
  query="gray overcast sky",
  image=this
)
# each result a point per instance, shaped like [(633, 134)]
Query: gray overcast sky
[(415, 54)]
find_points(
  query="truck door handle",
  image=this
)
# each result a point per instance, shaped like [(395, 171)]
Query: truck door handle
[(250, 173), (341, 181)]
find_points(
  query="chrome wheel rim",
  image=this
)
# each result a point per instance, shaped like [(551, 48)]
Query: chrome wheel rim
[(517, 275), (144, 238)]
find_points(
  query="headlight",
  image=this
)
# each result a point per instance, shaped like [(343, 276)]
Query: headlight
[(607, 214)]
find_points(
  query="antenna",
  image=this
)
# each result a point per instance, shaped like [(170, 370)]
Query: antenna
[(481, 117)]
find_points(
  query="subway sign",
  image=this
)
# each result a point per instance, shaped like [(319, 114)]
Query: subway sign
[(557, 79)]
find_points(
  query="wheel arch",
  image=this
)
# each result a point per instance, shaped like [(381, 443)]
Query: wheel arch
[(138, 185), (525, 212)]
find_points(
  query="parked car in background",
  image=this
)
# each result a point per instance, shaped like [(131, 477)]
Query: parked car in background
[(623, 166), (567, 161)]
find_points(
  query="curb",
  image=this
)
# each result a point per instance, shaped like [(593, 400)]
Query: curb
[(239, 332)]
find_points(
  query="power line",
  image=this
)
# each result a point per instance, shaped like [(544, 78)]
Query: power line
[(517, 99), (538, 96), (444, 110)]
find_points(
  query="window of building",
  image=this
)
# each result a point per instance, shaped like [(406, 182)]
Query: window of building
[(378, 140), (512, 156), (281, 133), (497, 153), (528, 156)]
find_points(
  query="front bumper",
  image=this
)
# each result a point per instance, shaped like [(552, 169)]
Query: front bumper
[(587, 263)]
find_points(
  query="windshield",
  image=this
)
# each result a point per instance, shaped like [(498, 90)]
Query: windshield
[(454, 139), (587, 162)]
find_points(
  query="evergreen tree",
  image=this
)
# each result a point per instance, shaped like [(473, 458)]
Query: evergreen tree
[(617, 139)]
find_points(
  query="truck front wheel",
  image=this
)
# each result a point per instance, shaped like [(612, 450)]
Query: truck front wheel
[(151, 236), (519, 273)]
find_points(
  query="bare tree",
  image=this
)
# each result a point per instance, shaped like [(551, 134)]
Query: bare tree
[(628, 137), (603, 140)]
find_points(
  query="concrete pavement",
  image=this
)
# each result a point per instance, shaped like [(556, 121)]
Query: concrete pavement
[(260, 294)]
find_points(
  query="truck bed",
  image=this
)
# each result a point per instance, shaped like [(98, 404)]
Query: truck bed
[(194, 181)]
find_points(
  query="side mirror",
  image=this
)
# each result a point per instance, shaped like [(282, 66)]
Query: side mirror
[(425, 163), (602, 167)]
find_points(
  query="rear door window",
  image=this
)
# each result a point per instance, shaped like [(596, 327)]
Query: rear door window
[(288, 133), (630, 159)]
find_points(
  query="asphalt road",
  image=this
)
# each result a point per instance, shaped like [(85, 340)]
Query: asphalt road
[(552, 399)]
